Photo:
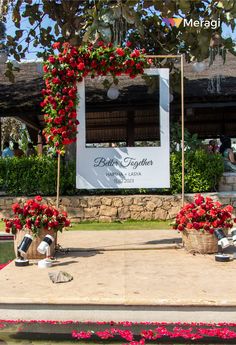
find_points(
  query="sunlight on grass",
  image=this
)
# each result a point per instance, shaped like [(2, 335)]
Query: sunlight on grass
[(2, 226), (126, 225)]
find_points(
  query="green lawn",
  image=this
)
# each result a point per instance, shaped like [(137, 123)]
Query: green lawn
[(126, 225), (6, 252), (1, 226)]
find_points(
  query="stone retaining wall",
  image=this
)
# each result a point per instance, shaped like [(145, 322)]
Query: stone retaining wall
[(114, 208)]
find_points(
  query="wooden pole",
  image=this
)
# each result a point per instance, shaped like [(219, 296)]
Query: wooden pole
[(182, 122), (40, 144), (0, 136), (181, 57), (58, 179)]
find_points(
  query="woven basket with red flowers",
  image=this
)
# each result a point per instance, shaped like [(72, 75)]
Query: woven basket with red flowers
[(37, 219), (198, 220)]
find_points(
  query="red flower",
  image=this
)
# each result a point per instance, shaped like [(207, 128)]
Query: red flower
[(56, 80), (199, 200), (16, 207), (196, 225), (71, 65), (204, 214), (70, 73), (228, 208), (52, 59), (201, 212), (81, 66), (56, 45), (32, 215), (135, 54), (45, 68), (120, 51)]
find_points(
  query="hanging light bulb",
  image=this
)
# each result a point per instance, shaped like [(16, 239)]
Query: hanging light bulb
[(199, 67), (113, 92)]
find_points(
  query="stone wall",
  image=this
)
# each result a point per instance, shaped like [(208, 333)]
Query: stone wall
[(113, 208)]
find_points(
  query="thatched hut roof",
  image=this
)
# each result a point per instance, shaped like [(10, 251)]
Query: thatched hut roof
[(208, 112)]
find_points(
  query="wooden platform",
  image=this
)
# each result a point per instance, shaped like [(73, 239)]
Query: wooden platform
[(123, 275)]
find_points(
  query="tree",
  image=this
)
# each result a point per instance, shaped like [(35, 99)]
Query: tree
[(118, 20), (14, 130), (2, 34)]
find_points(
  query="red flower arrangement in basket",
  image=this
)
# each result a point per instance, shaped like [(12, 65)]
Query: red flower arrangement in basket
[(33, 215), (204, 214)]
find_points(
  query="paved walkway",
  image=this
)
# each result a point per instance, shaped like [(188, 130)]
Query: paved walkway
[(117, 273)]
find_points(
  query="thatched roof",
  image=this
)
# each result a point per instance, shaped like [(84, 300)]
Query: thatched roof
[(206, 108)]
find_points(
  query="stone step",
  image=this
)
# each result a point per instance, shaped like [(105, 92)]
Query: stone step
[(227, 182)]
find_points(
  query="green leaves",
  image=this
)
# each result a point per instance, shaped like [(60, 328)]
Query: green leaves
[(202, 174), (16, 176), (202, 171)]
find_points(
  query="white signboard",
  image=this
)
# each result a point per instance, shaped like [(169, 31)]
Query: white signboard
[(125, 167)]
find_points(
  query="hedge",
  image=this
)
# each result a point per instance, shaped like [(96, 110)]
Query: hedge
[(37, 175), (202, 171)]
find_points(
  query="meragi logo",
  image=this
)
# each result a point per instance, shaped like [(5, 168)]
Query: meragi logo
[(173, 21), (206, 24)]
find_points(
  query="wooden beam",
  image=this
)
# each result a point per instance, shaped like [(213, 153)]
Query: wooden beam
[(29, 123)]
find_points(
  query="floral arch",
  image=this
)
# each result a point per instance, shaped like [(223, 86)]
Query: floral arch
[(71, 65)]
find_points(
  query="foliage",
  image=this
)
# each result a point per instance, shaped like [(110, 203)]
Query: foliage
[(73, 64), (35, 175), (191, 141), (14, 130), (33, 215), (202, 171), (2, 34), (118, 21), (204, 214)]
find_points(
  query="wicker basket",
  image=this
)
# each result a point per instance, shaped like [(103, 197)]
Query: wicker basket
[(201, 242), (32, 252)]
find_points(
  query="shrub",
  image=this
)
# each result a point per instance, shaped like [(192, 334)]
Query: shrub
[(202, 171), (37, 175)]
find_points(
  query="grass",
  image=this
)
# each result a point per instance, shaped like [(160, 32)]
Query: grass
[(125, 225), (6, 252)]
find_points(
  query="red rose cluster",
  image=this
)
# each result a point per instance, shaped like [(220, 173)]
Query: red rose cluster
[(204, 214), (71, 65), (33, 216)]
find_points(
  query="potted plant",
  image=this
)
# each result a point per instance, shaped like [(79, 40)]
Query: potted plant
[(37, 219), (198, 220)]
